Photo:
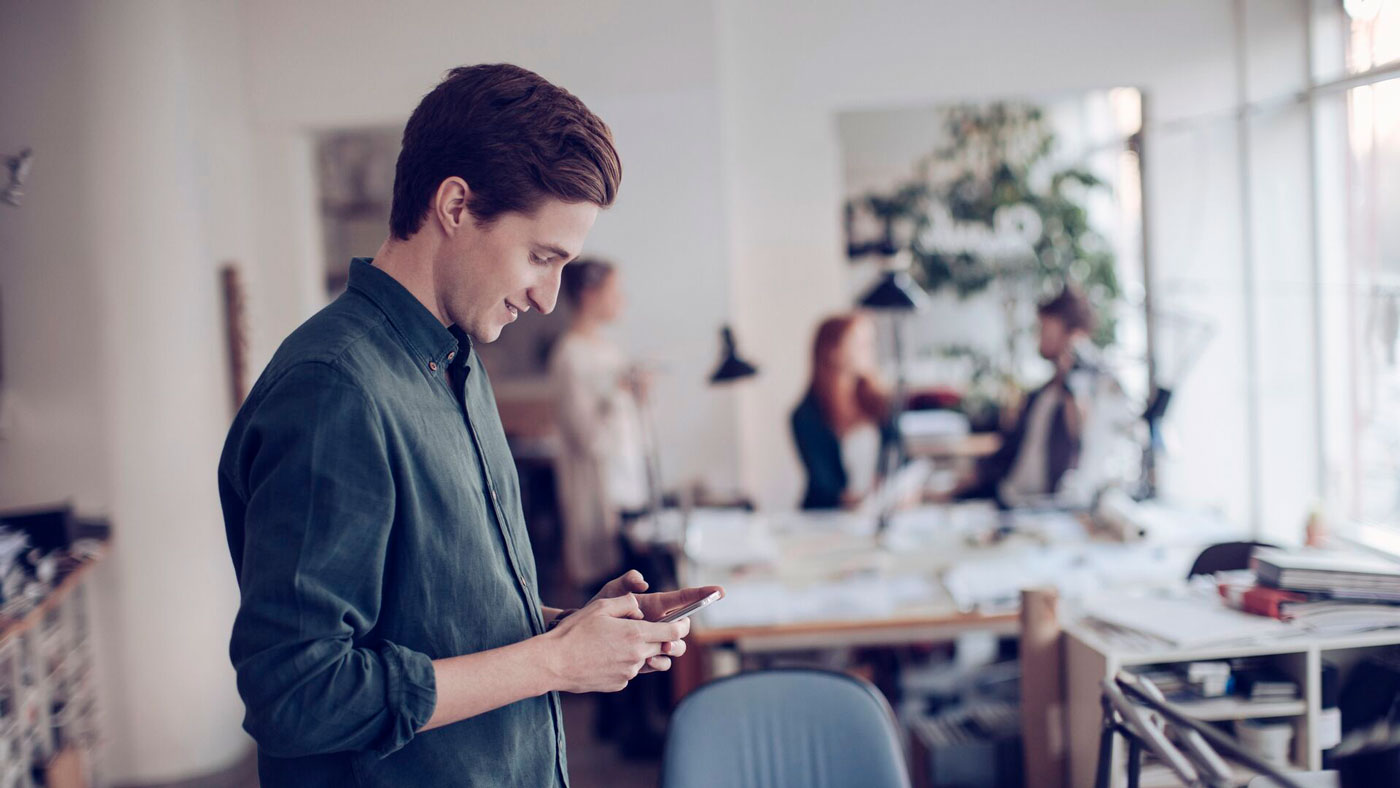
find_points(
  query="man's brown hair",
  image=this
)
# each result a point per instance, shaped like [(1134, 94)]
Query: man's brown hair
[(513, 136), (1072, 307)]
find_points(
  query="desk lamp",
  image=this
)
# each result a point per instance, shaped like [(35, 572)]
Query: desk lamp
[(732, 366), (899, 295)]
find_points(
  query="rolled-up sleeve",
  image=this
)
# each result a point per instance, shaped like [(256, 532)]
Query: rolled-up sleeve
[(313, 478)]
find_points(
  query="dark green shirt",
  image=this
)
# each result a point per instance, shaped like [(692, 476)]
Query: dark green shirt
[(373, 515)]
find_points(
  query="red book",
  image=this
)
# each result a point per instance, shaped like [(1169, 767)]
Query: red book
[(1265, 601)]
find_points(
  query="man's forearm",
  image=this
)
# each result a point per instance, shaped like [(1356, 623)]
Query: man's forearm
[(474, 684)]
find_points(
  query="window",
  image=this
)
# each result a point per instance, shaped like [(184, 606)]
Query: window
[(1373, 37), (1361, 282)]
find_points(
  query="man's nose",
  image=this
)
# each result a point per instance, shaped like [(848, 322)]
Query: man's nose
[(544, 295)]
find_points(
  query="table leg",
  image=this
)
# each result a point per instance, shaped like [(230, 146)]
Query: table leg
[(689, 672)]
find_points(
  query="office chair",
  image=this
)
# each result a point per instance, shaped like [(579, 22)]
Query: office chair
[(1224, 557), (784, 728)]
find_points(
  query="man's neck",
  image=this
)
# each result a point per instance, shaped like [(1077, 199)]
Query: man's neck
[(410, 263)]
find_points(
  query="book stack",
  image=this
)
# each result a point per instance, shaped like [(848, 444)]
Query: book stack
[(1258, 679), (1168, 681), (1329, 592), (1335, 574), (1186, 681)]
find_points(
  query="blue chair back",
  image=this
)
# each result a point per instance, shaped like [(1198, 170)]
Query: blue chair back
[(789, 728)]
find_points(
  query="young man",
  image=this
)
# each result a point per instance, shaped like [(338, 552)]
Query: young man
[(390, 631), (1046, 443)]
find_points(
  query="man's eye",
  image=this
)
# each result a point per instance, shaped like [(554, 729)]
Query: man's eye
[(537, 260)]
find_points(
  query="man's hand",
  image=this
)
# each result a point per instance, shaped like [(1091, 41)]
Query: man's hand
[(654, 606), (606, 644)]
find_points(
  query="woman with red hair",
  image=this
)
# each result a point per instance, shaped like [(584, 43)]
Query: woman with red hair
[(842, 426)]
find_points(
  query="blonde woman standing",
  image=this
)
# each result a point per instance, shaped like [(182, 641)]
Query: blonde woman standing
[(602, 465)]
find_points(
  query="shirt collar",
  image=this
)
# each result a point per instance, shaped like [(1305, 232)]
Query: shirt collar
[(464, 356), (434, 343)]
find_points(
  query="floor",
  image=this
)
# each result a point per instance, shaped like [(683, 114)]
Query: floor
[(594, 763)]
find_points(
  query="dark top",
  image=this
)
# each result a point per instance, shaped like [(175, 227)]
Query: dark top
[(820, 450), (374, 520), (1061, 450)]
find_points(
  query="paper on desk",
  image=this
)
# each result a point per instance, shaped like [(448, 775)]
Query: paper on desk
[(905, 484), (931, 524), (996, 581), (820, 520), (728, 538), (769, 602), (1184, 622), (1051, 526)]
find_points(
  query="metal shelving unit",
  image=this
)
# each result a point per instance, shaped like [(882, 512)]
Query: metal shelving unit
[(48, 695)]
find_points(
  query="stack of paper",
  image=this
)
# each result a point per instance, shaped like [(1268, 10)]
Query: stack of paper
[(1341, 575), (1339, 617)]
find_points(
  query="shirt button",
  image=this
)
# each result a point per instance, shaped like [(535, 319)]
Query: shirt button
[(432, 365), (451, 355)]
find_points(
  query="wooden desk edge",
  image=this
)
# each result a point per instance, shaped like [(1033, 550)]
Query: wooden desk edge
[(701, 636)]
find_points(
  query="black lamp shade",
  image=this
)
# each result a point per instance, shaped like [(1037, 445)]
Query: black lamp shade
[(896, 291), (731, 366)]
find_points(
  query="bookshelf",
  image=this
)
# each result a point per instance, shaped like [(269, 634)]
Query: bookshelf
[(1089, 658)]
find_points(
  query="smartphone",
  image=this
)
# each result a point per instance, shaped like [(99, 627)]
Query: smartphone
[(685, 612)]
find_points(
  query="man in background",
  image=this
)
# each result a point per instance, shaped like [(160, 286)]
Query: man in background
[(1044, 448)]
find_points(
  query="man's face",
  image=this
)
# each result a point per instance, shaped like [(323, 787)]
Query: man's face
[(1054, 338), (487, 276)]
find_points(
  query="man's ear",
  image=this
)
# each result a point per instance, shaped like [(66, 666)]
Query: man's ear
[(450, 204)]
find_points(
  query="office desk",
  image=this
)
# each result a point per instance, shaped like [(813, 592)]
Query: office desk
[(799, 580)]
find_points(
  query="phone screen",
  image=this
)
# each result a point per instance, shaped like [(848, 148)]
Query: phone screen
[(683, 612)]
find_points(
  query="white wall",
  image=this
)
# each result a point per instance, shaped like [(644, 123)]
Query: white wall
[(169, 159), (51, 412), (138, 194)]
